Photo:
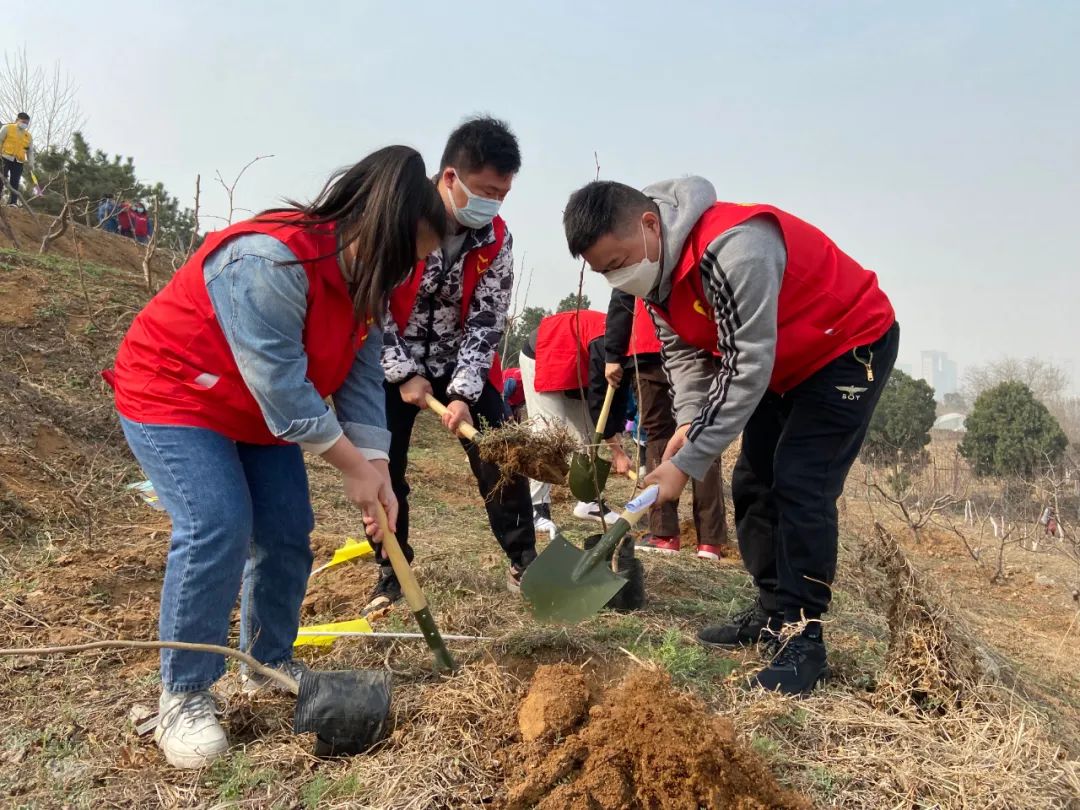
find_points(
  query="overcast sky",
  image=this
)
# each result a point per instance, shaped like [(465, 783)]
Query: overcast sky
[(936, 142)]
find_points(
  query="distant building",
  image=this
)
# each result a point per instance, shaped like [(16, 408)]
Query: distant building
[(953, 422), (940, 372)]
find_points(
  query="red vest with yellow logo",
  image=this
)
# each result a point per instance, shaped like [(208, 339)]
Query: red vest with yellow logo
[(477, 262), (562, 349), (175, 367), (828, 305)]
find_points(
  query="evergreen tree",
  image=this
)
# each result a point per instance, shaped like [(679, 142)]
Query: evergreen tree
[(1010, 432), (93, 174), (900, 427)]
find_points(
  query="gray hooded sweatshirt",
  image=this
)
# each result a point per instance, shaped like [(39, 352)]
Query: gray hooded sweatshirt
[(741, 272)]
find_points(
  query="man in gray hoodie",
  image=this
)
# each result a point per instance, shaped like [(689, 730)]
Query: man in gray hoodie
[(767, 330)]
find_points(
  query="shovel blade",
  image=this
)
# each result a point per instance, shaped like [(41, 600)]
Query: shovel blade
[(588, 476), (557, 595)]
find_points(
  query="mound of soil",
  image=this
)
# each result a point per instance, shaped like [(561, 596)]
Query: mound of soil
[(555, 703), (647, 746)]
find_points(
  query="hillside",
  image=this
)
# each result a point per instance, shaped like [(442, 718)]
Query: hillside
[(948, 691)]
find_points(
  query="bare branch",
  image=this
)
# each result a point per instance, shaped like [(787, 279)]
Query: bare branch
[(230, 188), (151, 248), (49, 97), (62, 222), (195, 230)]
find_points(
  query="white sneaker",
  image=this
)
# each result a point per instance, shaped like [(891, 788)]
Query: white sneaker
[(591, 511), (542, 521), (188, 730), (252, 682)]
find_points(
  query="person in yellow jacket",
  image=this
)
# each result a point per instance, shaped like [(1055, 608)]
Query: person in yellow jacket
[(16, 150)]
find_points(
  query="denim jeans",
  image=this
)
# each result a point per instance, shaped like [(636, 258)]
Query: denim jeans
[(241, 519)]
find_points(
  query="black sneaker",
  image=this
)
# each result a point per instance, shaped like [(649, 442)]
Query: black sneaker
[(797, 668), (744, 629), (387, 591)]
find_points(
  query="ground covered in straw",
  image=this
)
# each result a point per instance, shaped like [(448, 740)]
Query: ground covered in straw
[(947, 692)]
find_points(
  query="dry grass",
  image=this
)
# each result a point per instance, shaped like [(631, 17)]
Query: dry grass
[(443, 752), (536, 448), (941, 728)]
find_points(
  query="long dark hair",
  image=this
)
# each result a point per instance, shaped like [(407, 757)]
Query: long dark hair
[(378, 203)]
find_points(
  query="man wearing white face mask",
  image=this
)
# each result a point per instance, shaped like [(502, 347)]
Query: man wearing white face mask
[(16, 151), (768, 330), (443, 330)]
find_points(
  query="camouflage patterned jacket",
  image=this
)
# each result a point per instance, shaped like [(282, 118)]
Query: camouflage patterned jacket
[(433, 343)]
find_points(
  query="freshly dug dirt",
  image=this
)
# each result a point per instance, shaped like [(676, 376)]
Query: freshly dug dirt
[(648, 746), (556, 702)]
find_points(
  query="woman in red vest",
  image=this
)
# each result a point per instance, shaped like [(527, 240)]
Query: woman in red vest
[(221, 384), (806, 340)]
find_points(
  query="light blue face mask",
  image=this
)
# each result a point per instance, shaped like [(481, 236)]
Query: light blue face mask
[(478, 211)]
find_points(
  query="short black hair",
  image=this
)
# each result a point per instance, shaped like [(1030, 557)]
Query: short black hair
[(482, 141), (601, 207), (22, 117)]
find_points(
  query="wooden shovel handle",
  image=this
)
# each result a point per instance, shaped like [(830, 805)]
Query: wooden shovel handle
[(409, 586), (466, 430), (605, 411), (414, 596)]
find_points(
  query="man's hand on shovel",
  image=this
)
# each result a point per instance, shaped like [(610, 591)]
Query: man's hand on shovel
[(416, 391), (670, 479), (456, 415)]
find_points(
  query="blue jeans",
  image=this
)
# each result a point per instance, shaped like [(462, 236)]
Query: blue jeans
[(241, 521)]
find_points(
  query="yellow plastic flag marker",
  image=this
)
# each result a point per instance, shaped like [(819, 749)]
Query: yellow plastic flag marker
[(351, 550), (353, 626)]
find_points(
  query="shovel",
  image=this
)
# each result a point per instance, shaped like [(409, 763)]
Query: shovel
[(589, 472), (414, 596), (539, 469), (349, 710), (565, 584), (464, 430)]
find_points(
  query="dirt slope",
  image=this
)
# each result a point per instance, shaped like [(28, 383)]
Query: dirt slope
[(81, 558)]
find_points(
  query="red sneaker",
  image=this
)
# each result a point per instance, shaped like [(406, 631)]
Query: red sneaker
[(661, 545), (707, 552)]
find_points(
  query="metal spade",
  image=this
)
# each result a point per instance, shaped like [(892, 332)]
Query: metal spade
[(589, 472), (565, 584)]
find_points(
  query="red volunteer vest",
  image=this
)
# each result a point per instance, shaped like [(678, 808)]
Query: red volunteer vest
[(643, 339), (562, 349), (403, 298), (517, 396), (828, 305), (168, 361)]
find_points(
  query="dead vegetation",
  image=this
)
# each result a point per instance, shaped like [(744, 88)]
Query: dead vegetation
[(948, 691), (537, 448)]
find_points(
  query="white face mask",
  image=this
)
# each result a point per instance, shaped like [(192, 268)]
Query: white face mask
[(478, 211), (23, 125), (638, 279)]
